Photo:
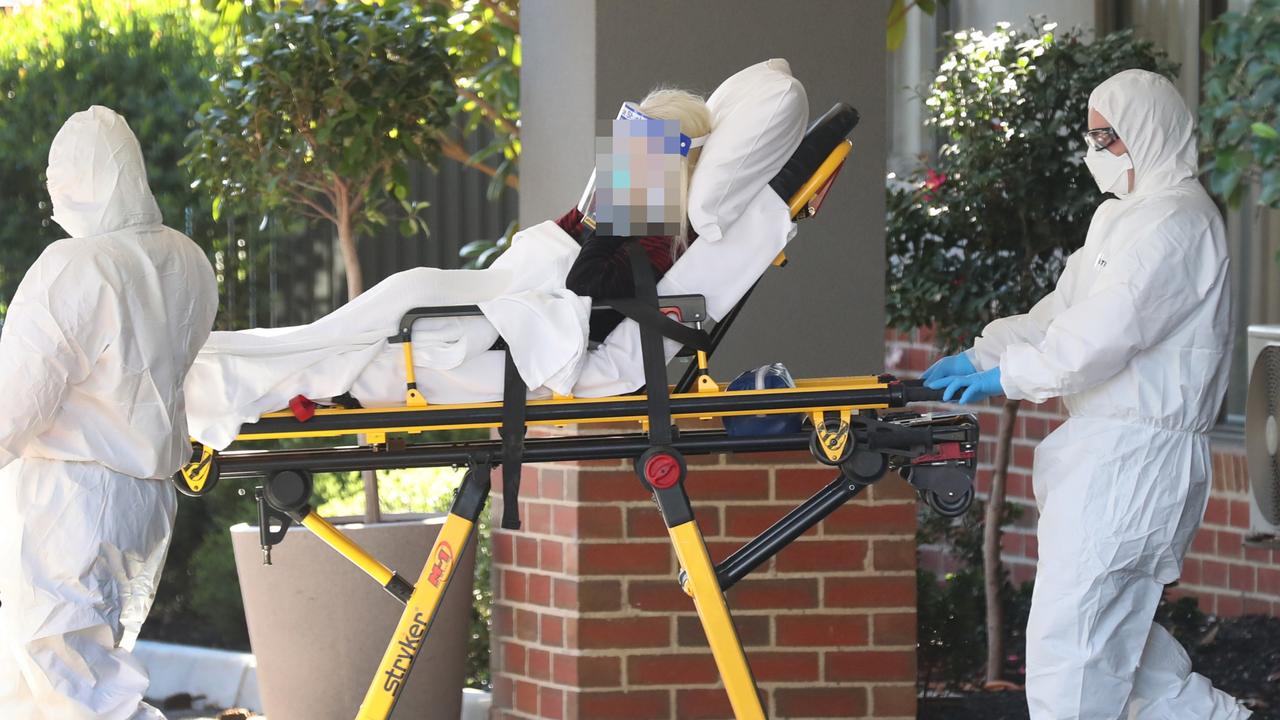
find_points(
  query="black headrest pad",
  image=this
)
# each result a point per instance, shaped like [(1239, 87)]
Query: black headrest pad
[(820, 139)]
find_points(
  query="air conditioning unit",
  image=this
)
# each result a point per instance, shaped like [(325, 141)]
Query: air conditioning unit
[(1262, 434)]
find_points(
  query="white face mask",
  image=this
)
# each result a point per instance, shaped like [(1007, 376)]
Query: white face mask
[(1111, 172)]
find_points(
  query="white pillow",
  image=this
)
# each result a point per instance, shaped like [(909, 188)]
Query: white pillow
[(758, 118)]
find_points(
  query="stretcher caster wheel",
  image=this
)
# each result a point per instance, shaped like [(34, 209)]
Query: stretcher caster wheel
[(831, 438), (948, 505), (865, 466), (200, 475)]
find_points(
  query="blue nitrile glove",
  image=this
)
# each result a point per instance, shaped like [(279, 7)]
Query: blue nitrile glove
[(950, 366), (977, 386)]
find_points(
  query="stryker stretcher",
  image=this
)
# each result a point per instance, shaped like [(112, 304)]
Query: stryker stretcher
[(936, 454)]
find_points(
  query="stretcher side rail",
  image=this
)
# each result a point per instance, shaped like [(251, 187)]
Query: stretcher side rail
[(250, 463), (683, 308), (859, 394)]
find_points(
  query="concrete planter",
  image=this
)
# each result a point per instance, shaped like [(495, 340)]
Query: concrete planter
[(319, 625)]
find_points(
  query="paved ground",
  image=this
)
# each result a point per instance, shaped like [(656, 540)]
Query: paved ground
[(198, 715)]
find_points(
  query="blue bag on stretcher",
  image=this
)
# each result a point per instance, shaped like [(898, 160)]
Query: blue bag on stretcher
[(765, 377)]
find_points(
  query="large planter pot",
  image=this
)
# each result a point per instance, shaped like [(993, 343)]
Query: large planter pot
[(319, 625)]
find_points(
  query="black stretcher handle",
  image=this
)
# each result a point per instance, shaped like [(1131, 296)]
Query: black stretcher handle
[(693, 308), (885, 437), (915, 391)]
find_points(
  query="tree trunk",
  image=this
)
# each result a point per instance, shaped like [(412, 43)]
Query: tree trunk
[(991, 543), (350, 259), (355, 286)]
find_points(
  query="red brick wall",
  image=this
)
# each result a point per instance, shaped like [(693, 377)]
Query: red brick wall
[(589, 621), (1227, 577)]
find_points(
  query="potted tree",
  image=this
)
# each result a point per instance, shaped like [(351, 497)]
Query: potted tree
[(316, 113), (984, 231)]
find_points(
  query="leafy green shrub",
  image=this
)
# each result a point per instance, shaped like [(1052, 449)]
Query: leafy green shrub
[(1240, 112), (146, 59), (327, 133), (985, 231), (484, 45)]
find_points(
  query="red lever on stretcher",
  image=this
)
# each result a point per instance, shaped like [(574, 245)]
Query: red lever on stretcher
[(816, 203), (946, 452), (302, 408)]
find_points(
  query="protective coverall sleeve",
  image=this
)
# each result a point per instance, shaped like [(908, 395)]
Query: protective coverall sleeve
[(1142, 295), (46, 346), (1029, 327)]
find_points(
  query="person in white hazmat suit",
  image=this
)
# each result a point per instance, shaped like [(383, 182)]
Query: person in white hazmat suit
[(93, 353), (1136, 338)]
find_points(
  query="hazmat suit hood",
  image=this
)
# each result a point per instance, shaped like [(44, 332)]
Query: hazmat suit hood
[(97, 178), (1153, 121)]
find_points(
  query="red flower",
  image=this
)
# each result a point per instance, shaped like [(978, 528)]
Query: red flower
[(933, 180)]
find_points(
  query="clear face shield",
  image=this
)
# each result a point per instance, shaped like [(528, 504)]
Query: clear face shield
[(639, 185)]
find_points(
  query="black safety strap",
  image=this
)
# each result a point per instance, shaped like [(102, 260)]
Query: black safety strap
[(651, 318), (514, 397), (655, 361)]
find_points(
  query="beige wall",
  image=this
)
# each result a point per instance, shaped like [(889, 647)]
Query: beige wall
[(822, 314)]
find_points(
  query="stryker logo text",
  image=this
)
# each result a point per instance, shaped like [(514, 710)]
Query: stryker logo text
[(407, 649)]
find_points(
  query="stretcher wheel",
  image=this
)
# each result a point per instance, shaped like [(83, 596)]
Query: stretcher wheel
[(865, 465), (200, 475), (949, 506), (816, 448)]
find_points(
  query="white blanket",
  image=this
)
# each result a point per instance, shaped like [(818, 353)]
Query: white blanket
[(240, 375)]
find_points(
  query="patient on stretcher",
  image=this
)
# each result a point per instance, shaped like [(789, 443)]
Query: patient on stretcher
[(536, 298), (602, 269)]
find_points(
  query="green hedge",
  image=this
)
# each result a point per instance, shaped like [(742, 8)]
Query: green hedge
[(146, 59)]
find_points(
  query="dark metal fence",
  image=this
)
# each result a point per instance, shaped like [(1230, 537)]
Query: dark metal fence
[(291, 273)]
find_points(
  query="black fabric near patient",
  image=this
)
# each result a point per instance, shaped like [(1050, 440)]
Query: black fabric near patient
[(514, 399), (651, 350)]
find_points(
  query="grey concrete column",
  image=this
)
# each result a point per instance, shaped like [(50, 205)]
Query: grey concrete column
[(823, 314)]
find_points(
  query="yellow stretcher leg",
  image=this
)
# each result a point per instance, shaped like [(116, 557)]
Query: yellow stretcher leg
[(709, 600), (346, 547), (419, 612)]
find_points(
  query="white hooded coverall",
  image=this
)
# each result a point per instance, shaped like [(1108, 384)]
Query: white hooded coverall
[(1136, 338), (93, 354)]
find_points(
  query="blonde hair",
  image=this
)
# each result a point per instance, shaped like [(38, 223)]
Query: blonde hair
[(690, 109)]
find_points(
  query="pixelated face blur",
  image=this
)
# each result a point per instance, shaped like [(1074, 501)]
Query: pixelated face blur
[(638, 171)]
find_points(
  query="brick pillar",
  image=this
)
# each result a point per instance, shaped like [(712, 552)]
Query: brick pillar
[(589, 621)]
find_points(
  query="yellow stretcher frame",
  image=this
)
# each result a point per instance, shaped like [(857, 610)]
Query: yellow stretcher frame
[(832, 403)]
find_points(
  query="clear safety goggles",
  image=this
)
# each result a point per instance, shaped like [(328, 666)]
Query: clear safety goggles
[(1100, 138)]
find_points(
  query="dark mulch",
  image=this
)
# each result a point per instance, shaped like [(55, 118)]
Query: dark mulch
[(985, 706), (1241, 656)]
